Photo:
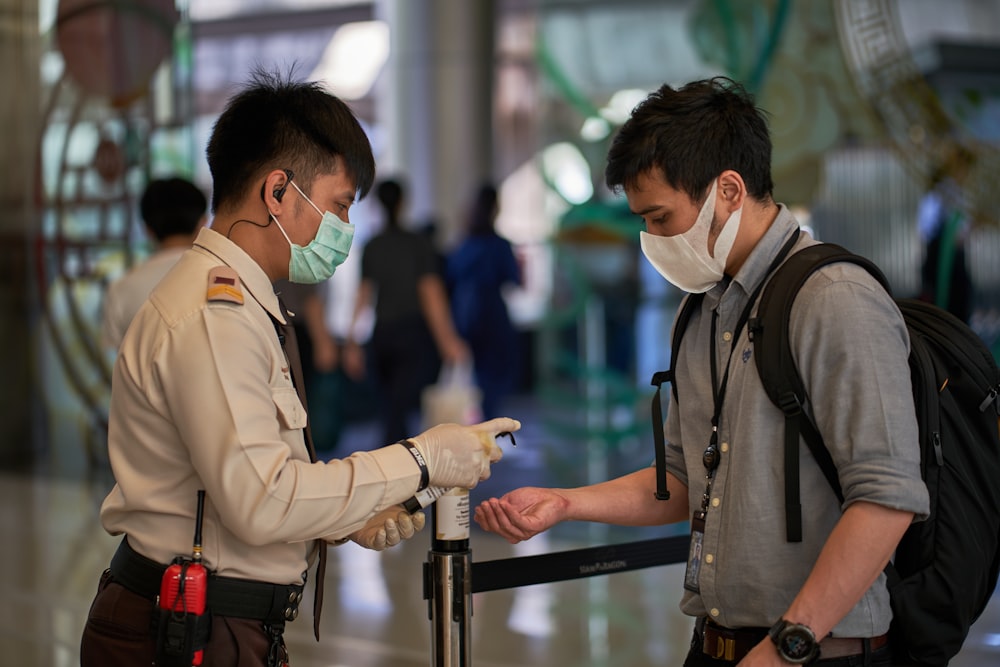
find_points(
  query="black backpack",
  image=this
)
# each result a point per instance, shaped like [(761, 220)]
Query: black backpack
[(945, 568)]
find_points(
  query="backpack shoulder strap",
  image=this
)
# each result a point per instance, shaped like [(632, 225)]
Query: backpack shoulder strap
[(779, 375), (690, 304)]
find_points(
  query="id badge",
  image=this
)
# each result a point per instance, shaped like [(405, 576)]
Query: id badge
[(694, 553)]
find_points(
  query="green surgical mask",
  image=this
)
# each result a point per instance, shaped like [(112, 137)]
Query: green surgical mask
[(318, 260)]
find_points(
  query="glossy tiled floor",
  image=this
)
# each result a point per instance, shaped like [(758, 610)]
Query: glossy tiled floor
[(375, 615)]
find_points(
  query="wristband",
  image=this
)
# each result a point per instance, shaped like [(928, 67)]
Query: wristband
[(425, 477)]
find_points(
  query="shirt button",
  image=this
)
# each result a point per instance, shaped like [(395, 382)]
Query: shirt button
[(715, 613), (709, 558), (727, 336), (715, 502), (725, 447)]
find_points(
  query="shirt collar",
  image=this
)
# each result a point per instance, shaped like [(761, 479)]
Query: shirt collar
[(253, 277), (755, 267), (754, 270)]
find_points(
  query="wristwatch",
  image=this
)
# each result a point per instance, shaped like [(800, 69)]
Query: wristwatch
[(796, 642)]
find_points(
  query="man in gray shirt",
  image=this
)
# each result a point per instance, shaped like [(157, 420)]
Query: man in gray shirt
[(694, 164)]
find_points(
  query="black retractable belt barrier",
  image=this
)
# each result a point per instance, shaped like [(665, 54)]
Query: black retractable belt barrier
[(492, 575)]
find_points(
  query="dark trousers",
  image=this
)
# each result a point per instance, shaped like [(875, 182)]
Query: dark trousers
[(406, 362), (118, 633)]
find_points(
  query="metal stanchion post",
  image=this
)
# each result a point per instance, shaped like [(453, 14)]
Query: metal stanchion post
[(448, 583)]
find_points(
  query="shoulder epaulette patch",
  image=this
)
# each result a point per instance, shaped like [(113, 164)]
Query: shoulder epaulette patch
[(224, 285)]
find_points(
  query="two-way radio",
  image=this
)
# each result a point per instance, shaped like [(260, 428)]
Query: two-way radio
[(182, 601)]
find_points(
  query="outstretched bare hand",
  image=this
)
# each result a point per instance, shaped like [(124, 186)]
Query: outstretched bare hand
[(522, 513)]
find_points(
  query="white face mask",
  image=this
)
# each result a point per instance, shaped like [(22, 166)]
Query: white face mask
[(684, 259)]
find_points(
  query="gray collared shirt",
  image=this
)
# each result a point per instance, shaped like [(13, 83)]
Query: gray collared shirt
[(850, 345)]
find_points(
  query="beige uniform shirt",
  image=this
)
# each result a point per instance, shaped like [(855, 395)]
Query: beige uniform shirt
[(202, 398)]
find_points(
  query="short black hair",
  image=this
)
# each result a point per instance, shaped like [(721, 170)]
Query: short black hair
[(172, 206), (277, 123), (483, 212), (390, 194), (691, 135)]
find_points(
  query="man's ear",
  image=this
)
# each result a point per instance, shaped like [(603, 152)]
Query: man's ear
[(273, 189), (732, 190)]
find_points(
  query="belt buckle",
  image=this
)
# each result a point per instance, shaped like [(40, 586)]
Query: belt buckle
[(725, 649), (718, 642)]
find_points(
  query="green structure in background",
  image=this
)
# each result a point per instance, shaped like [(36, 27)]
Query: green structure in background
[(746, 33)]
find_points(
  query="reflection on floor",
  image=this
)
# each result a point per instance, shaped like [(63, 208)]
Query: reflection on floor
[(374, 615)]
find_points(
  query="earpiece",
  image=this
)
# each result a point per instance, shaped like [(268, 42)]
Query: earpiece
[(280, 191)]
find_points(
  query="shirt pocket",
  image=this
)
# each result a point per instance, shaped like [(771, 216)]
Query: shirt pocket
[(291, 414)]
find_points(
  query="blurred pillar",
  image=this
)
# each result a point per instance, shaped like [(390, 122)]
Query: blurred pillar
[(434, 104), (19, 115)]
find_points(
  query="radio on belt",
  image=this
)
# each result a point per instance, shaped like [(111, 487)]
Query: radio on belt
[(182, 630)]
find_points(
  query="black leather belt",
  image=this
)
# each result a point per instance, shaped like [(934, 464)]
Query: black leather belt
[(239, 598), (729, 644)]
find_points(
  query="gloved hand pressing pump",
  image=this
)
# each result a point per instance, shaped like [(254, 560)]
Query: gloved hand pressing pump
[(388, 528), (461, 455)]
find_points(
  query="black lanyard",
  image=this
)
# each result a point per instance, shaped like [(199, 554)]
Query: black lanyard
[(711, 458)]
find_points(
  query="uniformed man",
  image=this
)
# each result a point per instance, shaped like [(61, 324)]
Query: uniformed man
[(204, 398)]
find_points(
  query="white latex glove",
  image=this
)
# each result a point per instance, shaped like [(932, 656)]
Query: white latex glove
[(388, 528), (461, 455)]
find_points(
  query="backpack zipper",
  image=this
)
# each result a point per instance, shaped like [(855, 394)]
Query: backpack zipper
[(990, 397)]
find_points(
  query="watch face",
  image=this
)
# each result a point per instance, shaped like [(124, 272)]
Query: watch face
[(796, 643)]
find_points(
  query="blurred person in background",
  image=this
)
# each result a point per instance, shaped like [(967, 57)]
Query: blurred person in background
[(478, 271), (173, 210), (943, 226), (413, 331)]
